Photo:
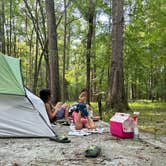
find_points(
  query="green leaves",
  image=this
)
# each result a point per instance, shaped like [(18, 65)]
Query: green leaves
[(144, 44)]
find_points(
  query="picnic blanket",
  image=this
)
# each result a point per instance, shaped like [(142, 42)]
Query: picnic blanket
[(85, 131)]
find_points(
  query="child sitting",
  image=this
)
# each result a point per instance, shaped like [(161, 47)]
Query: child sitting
[(81, 117), (56, 112)]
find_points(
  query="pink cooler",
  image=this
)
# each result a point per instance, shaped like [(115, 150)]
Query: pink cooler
[(121, 125)]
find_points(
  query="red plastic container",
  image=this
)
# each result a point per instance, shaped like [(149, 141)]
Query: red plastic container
[(121, 125)]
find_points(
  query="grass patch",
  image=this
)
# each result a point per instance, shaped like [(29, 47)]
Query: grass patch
[(142, 104), (152, 115)]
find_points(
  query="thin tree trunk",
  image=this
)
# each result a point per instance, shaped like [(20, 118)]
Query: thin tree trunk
[(53, 50), (68, 47), (10, 31), (64, 53), (99, 98), (14, 39), (7, 39), (2, 25), (133, 90), (67, 58), (36, 52), (164, 84), (94, 85), (88, 47), (29, 60)]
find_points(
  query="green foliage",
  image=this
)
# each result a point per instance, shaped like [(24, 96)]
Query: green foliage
[(144, 44)]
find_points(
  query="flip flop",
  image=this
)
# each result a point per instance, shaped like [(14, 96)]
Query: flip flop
[(60, 139), (93, 151), (60, 121)]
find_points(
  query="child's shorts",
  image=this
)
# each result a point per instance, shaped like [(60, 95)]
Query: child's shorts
[(60, 113), (83, 119)]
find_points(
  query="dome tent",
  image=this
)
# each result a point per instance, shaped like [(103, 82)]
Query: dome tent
[(22, 114)]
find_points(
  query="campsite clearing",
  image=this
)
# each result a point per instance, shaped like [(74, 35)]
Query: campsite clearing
[(41, 152)]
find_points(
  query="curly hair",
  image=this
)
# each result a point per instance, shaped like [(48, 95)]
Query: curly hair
[(45, 94)]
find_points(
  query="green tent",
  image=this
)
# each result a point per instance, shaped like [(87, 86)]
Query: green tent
[(22, 113), (10, 76)]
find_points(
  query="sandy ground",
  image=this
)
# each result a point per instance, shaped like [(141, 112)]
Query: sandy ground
[(148, 151)]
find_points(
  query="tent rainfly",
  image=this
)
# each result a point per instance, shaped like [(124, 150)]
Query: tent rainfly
[(22, 114)]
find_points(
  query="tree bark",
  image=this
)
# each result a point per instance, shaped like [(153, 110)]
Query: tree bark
[(53, 50), (116, 98), (89, 45), (164, 95), (94, 85), (64, 53), (2, 29), (133, 90), (10, 31), (37, 52), (14, 38)]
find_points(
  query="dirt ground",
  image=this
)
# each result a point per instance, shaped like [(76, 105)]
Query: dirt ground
[(148, 151)]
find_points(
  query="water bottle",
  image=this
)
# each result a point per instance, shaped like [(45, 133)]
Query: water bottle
[(72, 126), (136, 132), (91, 114)]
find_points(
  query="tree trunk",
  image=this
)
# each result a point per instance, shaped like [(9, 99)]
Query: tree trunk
[(89, 45), (116, 98), (99, 98), (94, 85), (36, 53), (64, 53), (30, 81), (53, 50), (164, 84), (10, 31), (68, 46), (7, 38), (14, 38), (133, 90), (2, 30)]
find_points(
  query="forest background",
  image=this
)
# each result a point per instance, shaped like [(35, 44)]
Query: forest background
[(66, 45)]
